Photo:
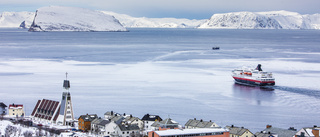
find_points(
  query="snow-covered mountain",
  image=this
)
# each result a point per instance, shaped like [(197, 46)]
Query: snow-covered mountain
[(143, 22), (262, 20), (69, 19), (15, 19), (57, 18)]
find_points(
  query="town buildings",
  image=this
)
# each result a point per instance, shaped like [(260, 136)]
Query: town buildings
[(98, 126), (239, 131), (265, 134), (16, 110), (46, 110), (308, 132), (290, 132), (203, 132), (148, 120), (165, 124), (133, 121), (194, 123), (57, 112), (127, 130), (3, 110), (84, 122)]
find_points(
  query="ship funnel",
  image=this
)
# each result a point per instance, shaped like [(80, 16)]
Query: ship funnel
[(259, 67)]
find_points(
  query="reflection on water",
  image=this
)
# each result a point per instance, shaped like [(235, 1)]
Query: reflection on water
[(255, 94)]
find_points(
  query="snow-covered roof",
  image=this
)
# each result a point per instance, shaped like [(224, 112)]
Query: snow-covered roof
[(3, 105), (309, 131), (15, 106), (149, 117), (189, 131), (88, 117)]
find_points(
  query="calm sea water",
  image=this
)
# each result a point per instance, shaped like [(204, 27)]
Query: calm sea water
[(169, 72)]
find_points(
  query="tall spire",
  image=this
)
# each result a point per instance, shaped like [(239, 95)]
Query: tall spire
[(66, 83), (66, 112)]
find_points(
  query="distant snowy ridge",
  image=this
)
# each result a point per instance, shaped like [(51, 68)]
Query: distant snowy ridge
[(15, 19), (143, 22), (57, 18), (69, 19), (262, 20)]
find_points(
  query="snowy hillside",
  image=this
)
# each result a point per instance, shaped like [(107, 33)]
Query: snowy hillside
[(56, 18), (69, 19), (312, 21), (14, 19), (262, 20), (143, 22)]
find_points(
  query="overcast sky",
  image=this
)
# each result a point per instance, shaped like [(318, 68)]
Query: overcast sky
[(192, 9)]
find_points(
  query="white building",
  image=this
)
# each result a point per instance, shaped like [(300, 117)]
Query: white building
[(127, 130), (50, 111), (134, 121), (16, 110), (308, 132), (148, 120), (110, 129), (165, 124)]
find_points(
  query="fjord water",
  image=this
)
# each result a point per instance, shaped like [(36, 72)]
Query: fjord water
[(169, 72)]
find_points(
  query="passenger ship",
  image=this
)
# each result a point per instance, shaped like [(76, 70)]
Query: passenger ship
[(253, 76)]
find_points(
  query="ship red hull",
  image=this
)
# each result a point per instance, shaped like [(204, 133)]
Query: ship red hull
[(254, 82)]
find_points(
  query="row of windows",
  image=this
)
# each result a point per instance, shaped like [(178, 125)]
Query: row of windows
[(47, 112), (127, 132), (17, 110)]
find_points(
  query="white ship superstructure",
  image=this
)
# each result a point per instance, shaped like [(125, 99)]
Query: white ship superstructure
[(253, 76)]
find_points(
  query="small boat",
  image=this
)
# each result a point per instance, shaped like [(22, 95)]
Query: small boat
[(215, 48), (251, 76)]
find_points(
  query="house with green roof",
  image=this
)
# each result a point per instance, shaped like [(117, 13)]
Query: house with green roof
[(194, 123), (239, 131)]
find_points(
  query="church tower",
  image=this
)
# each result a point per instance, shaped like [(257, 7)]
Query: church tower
[(66, 112)]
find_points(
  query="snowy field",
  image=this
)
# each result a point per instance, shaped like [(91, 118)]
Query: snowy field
[(169, 72)]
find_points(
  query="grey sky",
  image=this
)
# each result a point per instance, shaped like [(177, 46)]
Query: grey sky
[(192, 9)]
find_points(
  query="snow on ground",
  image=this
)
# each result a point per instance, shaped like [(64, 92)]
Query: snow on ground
[(20, 130)]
